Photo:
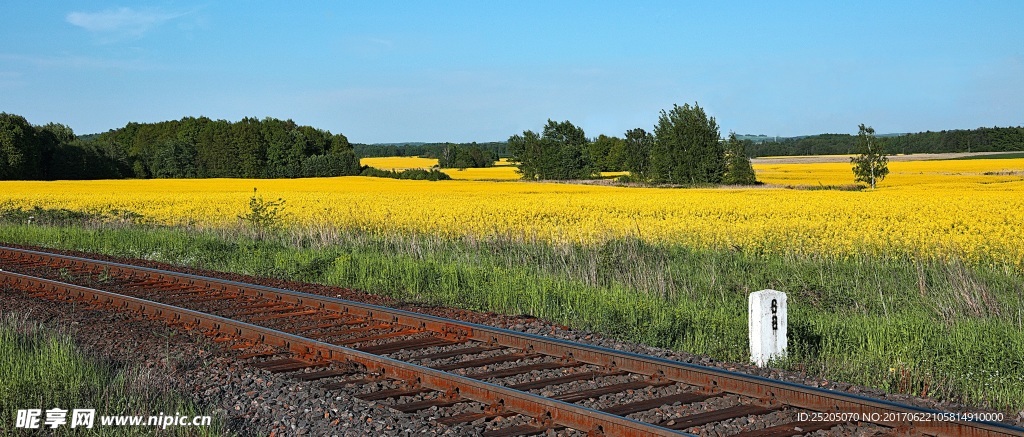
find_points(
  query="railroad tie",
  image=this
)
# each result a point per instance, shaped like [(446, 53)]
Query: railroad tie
[(522, 430), (394, 393), (614, 388), (313, 376), (497, 359), (440, 402), (789, 429), (682, 398), (717, 416), (572, 377)]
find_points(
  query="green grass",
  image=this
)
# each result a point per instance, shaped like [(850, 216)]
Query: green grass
[(935, 327), (42, 368)]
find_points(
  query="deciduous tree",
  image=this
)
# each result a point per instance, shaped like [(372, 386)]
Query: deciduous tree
[(871, 164), (559, 153), (687, 147), (637, 153)]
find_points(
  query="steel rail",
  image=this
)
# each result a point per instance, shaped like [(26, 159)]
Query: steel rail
[(767, 390), (562, 413)]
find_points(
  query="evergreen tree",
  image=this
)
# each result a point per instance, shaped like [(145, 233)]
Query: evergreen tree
[(738, 170), (343, 156)]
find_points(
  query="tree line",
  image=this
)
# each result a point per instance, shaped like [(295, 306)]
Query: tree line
[(187, 148), (984, 139), (249, 148), (684, 148), (51, 151)]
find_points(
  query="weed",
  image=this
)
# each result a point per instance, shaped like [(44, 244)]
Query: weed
[(43, 368), (264, 217)]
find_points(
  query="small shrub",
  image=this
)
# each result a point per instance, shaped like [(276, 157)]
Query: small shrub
[(264, 216)]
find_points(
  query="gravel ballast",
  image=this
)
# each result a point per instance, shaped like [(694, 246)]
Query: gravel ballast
[(256, 402)]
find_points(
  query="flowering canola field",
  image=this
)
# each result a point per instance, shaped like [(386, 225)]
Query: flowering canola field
[(969, 208), (502, 170)]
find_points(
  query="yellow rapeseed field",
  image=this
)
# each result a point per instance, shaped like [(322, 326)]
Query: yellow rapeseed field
[(501, 171), (399, 162), (970, 208), (965, 173)]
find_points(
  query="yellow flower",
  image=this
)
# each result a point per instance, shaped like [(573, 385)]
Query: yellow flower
[(973, 209)]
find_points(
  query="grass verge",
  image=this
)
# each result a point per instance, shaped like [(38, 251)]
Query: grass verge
[(42, 368), (937, 328)]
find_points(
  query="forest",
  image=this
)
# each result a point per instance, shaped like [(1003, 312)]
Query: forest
[(984, 139), (187, 148), (686, 148), (199, 147)]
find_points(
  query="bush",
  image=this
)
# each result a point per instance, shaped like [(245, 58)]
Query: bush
[(265, 216), (412, 173)]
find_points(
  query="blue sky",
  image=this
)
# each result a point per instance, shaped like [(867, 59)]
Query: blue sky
[(484, 70)]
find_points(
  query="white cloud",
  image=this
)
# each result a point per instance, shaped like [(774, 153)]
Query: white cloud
[(121, 21)]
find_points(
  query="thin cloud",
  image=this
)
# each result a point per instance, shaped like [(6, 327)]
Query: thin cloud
[(11, 79), (367, 46), (121, 21), (75, 62)]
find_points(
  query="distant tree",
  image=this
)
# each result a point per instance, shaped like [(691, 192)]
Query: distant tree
[(687, 147), (80, 160), (343, 157), (316, 142), (328, 165), (289, 162), (281, 161), (616, 158), (464, 156), (430, 150), (559, 153), (20, 148), (251, 147), (607, 153), (63, 134), (528, 153), (637, 152), (871, 164), (175, 159), (738, 170), (217, 157)]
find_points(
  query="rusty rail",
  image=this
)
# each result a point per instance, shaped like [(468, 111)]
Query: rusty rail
[(769, 392), (570, 415)]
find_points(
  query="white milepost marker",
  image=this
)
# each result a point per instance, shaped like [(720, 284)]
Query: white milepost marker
[(767, 324)]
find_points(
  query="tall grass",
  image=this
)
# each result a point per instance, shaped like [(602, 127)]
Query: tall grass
[(941, 328), (42, 368)]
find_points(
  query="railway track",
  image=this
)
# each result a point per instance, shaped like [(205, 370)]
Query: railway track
[(469, 373)]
